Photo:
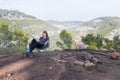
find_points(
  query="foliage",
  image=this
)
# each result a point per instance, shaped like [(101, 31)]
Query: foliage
[(92, 41), (20, 38), (112, 44), (7, 37), (107, 44), (60, 45), (5, 34), (98, 42), (116, 42), (66, 39)]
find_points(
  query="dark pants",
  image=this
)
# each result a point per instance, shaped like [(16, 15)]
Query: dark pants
[(34, 44)]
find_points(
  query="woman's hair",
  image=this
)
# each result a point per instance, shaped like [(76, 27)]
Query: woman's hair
[(45, 33)]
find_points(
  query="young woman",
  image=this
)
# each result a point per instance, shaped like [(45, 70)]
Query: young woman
[(43, 42)]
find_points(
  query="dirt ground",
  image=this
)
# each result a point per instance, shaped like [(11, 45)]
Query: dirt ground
[(43, 67)]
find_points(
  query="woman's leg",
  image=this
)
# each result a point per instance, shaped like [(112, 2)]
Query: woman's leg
[(40, 45), (33, 41), (33, 45)]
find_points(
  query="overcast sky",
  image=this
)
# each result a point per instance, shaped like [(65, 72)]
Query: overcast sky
[(65, 10)]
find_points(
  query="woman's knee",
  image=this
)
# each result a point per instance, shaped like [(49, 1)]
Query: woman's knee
[(33, 39)]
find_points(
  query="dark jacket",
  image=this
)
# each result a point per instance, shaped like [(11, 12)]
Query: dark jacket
[(43, 40)]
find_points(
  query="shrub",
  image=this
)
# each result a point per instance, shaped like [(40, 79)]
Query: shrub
[(7, 37), (66, 39), (116, 43), (92, 41), (107, 44)]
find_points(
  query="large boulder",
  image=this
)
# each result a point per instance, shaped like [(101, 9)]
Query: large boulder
[(115, 55)]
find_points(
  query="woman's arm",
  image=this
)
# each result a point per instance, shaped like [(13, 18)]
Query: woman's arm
[(47, 42)]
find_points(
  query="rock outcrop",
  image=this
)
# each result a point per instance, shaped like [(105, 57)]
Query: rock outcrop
[(115, 55)]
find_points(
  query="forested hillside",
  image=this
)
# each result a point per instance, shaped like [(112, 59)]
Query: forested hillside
[(33, 27), (103, 26), (29, 25)]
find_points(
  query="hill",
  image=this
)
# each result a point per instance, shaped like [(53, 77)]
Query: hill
[(31, 26), (14, 14), (34, 28), (102, 26), (65, 24)]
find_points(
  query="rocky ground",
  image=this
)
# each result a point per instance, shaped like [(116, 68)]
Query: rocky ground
[(67, 65)]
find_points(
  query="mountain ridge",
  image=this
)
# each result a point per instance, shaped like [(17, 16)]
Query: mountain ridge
[(14, 14)]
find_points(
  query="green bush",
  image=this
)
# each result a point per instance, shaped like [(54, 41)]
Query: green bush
[(107, 44), (66, 39), (98, 42), (116, 43), (60, 45), (20, 38), (93, 42), (7, 37)]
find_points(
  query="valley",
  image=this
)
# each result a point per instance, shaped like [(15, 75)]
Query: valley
[(33, 27)]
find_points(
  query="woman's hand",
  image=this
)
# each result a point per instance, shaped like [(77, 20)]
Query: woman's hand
[(46, 43)]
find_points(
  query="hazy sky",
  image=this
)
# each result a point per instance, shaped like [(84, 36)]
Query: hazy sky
[(63, 10)]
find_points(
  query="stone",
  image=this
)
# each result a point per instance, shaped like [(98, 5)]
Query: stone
[(86, 56), (89, 64), (70, 59), (63, 56), (39, 60), (61, 61), (50, 68), (79, 63), (87, 61), (115, 55), (108, 62), (96, 60), (9, 74), (89, 57)]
